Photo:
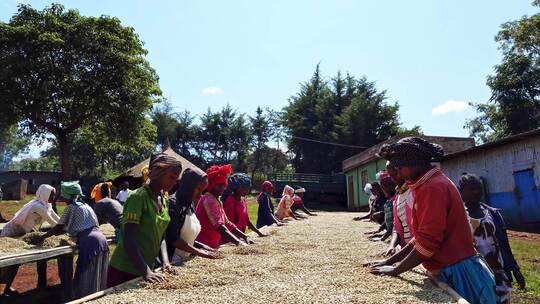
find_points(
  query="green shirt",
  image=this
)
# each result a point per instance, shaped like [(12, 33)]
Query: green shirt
[(140, 209)]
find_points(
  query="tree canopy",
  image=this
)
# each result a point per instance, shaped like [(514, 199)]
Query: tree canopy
[(343, 110), (514, 106), (61, 72)]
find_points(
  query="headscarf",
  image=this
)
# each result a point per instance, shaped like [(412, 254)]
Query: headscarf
[(300, 190), (160, 163), (186, 185), (411, 151), (382, 175), (96, 191), (43, 194), (71, 191), (236, 181), (267, 185), (288, 190), (218, 175)]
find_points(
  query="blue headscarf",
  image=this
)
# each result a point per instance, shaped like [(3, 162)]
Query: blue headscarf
[(236, 181)]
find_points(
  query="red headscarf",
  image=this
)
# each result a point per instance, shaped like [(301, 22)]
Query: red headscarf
[(267, 185), (218, 175)]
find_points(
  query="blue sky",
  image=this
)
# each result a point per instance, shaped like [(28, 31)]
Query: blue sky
[(432, 57)]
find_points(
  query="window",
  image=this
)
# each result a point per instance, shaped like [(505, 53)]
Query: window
[(364, 178)]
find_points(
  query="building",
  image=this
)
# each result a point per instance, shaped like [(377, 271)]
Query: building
[(135, 176), (361, 168), (510, 169), (32, 180)]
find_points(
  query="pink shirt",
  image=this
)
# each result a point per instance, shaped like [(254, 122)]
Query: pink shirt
[(211, 215), (237, 212)]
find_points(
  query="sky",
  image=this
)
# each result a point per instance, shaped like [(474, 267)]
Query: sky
[(432, 57)]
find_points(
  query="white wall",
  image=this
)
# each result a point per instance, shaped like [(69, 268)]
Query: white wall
[(496, 165)]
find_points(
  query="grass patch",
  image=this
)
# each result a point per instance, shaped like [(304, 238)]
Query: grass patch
[(527, 254)]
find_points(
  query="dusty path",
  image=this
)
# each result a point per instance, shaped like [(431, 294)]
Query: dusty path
[(311, 261)]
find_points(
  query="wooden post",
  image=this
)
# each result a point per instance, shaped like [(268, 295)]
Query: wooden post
[(42, 274), (65, 270)]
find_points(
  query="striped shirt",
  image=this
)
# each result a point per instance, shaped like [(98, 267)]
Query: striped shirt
[(77, 218)]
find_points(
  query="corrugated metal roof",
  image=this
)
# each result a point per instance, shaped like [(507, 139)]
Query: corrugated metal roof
[(493, 144), (449, 144)]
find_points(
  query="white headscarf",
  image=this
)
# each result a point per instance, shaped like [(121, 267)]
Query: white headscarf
[(288, 190), (43, 194)]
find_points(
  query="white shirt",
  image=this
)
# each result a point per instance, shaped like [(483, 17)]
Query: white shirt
[(123, 195), (189, 232), (37, 215)]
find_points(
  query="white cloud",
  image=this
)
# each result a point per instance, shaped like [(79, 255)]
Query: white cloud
[(212, 91), (450, 106)]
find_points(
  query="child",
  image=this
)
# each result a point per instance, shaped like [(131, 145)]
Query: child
[(490, 237)]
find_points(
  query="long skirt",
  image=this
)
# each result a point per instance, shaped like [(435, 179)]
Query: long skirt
[(92, 263), (472, 279)]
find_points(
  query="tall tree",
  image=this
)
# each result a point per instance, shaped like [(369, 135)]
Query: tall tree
[(261, 129), (61, 71), (345, 111), (514, 106)]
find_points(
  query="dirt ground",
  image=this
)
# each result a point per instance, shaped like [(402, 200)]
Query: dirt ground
[(311, 261), (532, 237)]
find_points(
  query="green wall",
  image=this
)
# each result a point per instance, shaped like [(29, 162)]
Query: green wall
[(361, 198)]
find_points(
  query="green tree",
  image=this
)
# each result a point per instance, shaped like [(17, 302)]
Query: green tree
[(44, 163), (261, 129), (514, 106), (61, 71), (346, 111), (12, 143)]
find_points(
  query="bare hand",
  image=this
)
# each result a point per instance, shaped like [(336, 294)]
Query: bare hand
[(375, 263), (390, 251), (249, 241), (168, 268), (209, 255), (262, 234), (383, 270), (154, 277)]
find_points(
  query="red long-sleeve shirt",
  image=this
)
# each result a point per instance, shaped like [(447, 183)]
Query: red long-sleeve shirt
[(441, 231)]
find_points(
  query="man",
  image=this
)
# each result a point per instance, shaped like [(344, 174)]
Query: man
[(124, 192), (109, 210)]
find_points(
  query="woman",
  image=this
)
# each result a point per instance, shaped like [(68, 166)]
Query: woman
[(298, 202), (235, 204), (389, 189), (184, 226), (376, 204), (33, 214), (402, 210), (81, 223), (29, 218), (284, 207), (490, 237), (265, 214), (442, 240), (145, 219), (216, 229)]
